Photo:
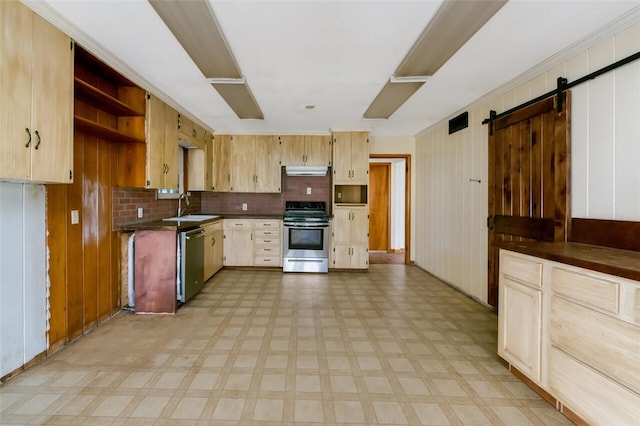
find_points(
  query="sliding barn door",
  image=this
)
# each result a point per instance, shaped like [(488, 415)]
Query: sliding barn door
[(529, 174)]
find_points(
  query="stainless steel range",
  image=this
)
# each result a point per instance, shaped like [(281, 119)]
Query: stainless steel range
[(306, 237)]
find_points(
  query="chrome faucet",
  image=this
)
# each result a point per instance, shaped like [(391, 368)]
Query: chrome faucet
[(184, 197)]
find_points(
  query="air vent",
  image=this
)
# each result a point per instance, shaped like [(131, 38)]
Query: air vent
[(458, 123)]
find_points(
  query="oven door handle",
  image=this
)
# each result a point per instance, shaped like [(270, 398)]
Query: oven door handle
[(305, 225)]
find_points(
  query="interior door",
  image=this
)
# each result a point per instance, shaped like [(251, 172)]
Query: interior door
[(379, 206), (529, 178)]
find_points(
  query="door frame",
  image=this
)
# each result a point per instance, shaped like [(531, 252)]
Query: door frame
[(407, 200)]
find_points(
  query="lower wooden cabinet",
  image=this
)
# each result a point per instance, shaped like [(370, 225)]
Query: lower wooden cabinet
[(252, 242), (573, 332), (213, 249)]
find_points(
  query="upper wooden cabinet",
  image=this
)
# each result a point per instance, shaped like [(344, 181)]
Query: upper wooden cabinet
[(190, 132), (351, 158), (221, 170), (199, 163), (305, 150), (36, 100), (162, 144), (255, 164)]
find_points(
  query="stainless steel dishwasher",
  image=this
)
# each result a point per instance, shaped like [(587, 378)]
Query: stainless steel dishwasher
[(191, 263)]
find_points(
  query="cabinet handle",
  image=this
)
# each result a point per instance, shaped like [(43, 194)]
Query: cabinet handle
[(39, 140), (194, 132), (213, 241), (28, 141)]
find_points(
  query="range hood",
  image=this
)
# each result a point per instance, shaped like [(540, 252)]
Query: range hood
[(306, 171)]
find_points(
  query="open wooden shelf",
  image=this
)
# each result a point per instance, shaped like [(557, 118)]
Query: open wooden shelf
[(102, 99), (96, 129)]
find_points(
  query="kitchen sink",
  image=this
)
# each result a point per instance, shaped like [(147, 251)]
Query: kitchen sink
[(191, 218)]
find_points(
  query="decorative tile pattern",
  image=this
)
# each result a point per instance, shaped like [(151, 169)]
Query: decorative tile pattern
[(392, 346)]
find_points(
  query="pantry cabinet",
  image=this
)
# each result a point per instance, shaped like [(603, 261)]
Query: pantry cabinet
[(351, 158), (255, 164), (350, 237), (305, 150), (37, 79), (162, 144)]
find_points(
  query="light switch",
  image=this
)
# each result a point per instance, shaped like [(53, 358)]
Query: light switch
[(140, 212), (75, 217), (308, 190)]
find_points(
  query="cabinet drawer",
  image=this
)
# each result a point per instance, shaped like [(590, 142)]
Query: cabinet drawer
[(607, 344), (268, 241), (524, 270), (215, 226), (594, 397), (268, 260), (268, 224), (238, 224), (586, 290), (268, 233), (267, 250)]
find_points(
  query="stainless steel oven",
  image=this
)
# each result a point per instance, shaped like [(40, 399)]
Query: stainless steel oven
[(306, 237)]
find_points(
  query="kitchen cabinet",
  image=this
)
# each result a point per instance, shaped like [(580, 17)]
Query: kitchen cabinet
[(305, 150), (238, 242), (199, 164), (213, 248), (191, 132), (253, 242), (520, 305), (220, 165), (267, 248), (162, 144), (36, 100), (351, 158), (350, 237), (575, 333), (255, 164)]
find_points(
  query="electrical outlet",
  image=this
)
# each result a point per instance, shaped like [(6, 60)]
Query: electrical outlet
[(339, 195), (75, 217), (244, 207), (308, 190), (140, 212)]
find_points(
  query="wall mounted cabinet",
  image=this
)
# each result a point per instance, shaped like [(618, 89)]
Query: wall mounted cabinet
[(351, 158), (305, 150), (190, 132), (162, 145), (220, 166), (199, 164), (37, 79), (255, 164)]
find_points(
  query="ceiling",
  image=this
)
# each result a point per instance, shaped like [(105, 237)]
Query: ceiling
[(335, 55)]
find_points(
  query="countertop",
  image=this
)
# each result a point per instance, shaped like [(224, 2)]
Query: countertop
[(159, 225), (622, 263)]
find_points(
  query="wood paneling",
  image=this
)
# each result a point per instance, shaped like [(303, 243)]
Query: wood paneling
[(620, 234)]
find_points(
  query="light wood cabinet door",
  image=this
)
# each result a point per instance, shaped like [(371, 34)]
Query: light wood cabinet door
[(359, 225), (351, 158), (52, 116), (360, 158), (218, 250), (350, 224), (155, 119), (213, 251), (520, 326), (15, 104), (170, 148), (317, 150), (292, 150), (199, 163), (268, 175), (243, 159), (359, 256), (238, 247), (221, 171), (341, 225), (37, 66)]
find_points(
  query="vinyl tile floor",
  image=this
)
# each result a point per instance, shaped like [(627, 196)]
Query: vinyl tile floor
[(391, 346)]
